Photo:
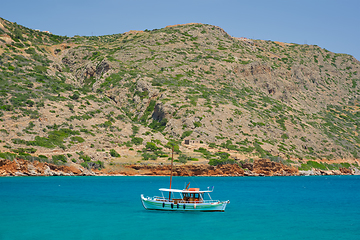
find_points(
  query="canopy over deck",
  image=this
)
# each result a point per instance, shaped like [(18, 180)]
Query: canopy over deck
[(184, 191)]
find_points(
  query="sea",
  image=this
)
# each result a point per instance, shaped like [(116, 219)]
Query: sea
[(307, 207)]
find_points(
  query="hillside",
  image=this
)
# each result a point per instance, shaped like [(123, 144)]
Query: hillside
[(101, 101)]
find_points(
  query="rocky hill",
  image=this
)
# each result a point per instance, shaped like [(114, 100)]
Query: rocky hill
[(108, 100)]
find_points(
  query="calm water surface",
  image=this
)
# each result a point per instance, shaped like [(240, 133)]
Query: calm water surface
[(110, 208)]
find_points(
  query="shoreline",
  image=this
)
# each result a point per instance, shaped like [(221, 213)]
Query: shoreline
[(259, 168)]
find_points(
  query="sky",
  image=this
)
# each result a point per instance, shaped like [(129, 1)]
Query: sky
[(330, 24)]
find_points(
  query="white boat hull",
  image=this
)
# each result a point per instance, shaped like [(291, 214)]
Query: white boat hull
[(152, 204)]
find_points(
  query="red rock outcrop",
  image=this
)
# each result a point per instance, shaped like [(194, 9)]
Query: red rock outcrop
[(265, 167), (183, 170), (345, 171), (262, 167)]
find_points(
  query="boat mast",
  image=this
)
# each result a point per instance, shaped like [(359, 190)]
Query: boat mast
[(172, 159)]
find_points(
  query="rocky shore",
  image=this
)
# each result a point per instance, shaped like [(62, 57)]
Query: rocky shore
[(261, 167), (341, 171), (20, 167)]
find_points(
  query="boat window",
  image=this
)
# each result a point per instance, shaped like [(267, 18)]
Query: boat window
[(193, 195)]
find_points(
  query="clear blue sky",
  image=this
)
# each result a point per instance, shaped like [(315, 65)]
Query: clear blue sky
[(330, 24)]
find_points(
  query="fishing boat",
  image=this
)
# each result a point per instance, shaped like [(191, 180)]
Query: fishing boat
[(191, 199), (188, 199)]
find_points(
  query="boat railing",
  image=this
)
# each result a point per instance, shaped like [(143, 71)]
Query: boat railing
[(176, 201), (158, 198), (200, 201)]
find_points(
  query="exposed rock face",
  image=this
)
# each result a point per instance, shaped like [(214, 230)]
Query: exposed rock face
[(21, 167), (162, 111), (319, 172), (345, 171), (266, 167), (144, 85), (262, 167), (93, 70), (184, 170)]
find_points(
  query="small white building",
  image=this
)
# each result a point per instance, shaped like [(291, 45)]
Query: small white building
[(189, 141)]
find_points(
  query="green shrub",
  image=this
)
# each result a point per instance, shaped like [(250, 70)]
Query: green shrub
[(137, 140), (106, 124), (312, 164), (84, 164), (345, 165), (24, 150), (75, 96), (158, 126), (150, 146), (77, 139), (284, 136), (18, 141), (228, 144), (113, 153), (6, 107), (8, 156), (120, 117), (186, 134), (70, 106), (57, 158), (148, 111), (216, 162), (55, 138), (30, 51), (212, 145), (197, 124), (40, 69), (147, 156), (41, 142), (183, 158), (11, 68), (85, 158), (135, 129), (205, 152)]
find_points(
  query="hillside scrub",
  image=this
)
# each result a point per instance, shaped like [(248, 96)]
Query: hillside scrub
[(249, 98)]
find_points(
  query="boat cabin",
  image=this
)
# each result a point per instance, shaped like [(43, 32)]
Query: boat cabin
[(196, 197), (189, 195)]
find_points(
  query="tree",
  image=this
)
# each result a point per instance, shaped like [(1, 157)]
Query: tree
[(172, 144)]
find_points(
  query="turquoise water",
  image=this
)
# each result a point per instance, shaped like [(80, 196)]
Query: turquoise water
[(110, 208)]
